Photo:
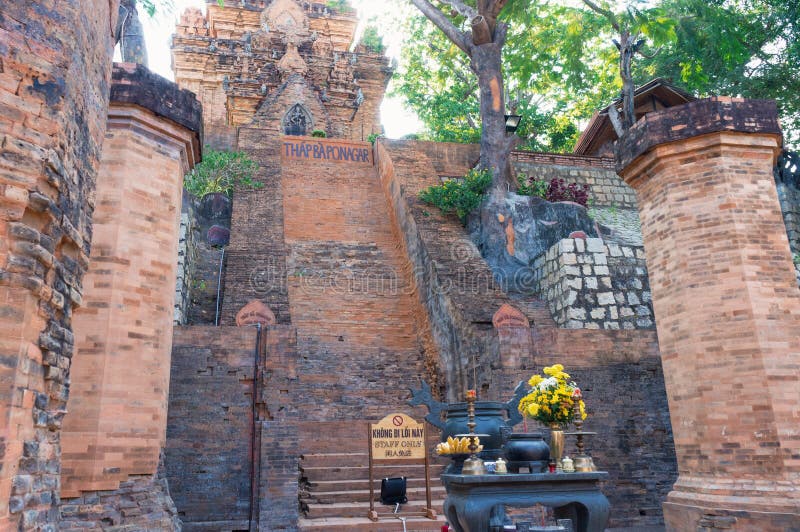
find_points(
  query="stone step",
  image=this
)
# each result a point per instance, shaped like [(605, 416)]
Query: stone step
[(348, 459), (360, 509), (340, 459), (362, 472), (324, 486), (330, 497), (362, 524)]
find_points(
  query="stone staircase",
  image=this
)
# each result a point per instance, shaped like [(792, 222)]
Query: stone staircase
[(335, 494)]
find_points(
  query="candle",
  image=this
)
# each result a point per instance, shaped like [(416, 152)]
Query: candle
[(471, 395)]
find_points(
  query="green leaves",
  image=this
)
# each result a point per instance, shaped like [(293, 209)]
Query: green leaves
[(460, 196), (157, 7), (221, 171)]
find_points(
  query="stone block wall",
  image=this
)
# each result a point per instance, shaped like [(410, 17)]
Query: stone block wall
[(592, 284), (55, 65), (187, 260), (606, 189), (116, 422)]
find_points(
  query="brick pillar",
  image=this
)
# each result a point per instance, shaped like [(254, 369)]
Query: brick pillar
[(116, 421), (727, 310), (55, 64)]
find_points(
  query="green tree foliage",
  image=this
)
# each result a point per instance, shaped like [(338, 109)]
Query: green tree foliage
[(746, 48), (221, 171), (372, 40), (561, 65), (437, 83), (459, 196)]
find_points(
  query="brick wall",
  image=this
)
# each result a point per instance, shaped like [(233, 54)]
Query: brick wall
[(256, 263), (592, 284), (729, 324), (619, 369), (55, 64), (789, 198), (211, 386), (117, 411)]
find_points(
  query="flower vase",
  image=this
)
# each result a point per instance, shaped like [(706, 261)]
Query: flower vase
[(556, 443)]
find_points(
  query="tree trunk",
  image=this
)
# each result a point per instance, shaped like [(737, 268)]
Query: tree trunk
[(495, 143), (626, 51)]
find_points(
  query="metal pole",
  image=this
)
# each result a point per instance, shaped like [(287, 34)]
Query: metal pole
[(372, 514), (219, 286)]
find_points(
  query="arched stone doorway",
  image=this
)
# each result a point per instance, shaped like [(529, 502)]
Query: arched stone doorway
[(297, 121)]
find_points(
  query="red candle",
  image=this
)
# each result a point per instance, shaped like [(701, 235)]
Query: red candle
[(471, 394), (552, 468)]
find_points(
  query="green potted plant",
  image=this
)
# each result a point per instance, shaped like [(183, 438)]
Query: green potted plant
[(214, 179)]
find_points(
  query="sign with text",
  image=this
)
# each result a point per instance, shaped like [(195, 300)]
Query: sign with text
[(397, 437), (313, 149)]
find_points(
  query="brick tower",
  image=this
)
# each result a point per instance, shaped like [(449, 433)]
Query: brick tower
[(286, 66)]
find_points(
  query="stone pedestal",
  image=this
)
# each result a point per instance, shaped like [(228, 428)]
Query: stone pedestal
[(116, 421), (727, 309)]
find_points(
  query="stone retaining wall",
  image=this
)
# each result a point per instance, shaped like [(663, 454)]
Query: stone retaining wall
[(592, 284)]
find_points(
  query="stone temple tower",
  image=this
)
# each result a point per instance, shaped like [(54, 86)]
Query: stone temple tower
[(288, 66)]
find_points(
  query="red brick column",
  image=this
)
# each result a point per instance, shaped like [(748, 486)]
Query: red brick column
[(117, 411), (55, 64), (727, 310)]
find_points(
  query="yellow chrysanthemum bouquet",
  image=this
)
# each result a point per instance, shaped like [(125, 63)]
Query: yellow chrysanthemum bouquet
[(552, 399)]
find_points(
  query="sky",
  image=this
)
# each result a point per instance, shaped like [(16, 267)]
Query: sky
[(397, 121)]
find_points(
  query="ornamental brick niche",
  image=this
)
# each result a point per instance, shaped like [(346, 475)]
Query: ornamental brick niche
[(116, 423), (727, 310), (253, 62)]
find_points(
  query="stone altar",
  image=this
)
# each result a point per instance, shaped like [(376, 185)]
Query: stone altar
[(471, 499)]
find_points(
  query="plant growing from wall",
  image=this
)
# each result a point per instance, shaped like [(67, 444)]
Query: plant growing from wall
[(372, 137), (553, 190), (221, 171), (318, 133), (459, 196)]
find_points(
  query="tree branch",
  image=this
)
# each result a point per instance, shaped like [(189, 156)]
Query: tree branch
[(433, 14), (462, 9), (612, 18)]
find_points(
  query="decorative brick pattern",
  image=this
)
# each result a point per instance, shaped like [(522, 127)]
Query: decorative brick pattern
[(727, 307), (595, 285), (248, 68), (55, 65)]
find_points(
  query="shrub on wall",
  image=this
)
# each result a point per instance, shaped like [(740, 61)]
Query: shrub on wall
[(460, 196), (553, 190), (221, 171), (319, 134)]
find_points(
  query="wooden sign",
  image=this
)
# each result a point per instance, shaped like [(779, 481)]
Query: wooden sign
[(397, 437), (338, 151)]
